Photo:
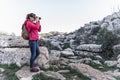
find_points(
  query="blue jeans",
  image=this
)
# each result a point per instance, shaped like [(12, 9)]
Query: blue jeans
[(34, 48)]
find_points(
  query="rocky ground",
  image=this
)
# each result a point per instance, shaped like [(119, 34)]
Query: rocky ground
[(83, 64), (79, 55)]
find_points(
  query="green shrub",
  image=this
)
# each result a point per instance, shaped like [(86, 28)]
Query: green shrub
[(95, 30), (10, 71), (117, 78), (66, 45), (102, 67), (74, 72), (42, 76), (108, 40), (80, 31)]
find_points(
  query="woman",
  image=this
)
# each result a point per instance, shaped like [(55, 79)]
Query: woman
[(33, 26)]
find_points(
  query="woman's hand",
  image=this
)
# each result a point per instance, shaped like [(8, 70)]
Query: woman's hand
[(37, 19)]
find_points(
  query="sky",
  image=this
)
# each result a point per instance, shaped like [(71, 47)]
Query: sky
[(57, 15)]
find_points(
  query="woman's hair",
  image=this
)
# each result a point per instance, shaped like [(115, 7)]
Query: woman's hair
[(30, 15)]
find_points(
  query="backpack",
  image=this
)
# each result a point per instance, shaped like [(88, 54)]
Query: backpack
[(24, 32)]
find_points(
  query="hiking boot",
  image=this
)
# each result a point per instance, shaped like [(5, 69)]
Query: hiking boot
[(34, 70), (36, 65)]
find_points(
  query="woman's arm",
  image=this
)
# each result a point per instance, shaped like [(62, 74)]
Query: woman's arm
[(31, 25)]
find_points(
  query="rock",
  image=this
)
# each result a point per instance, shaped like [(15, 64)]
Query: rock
[(83, 60), (3, 77), (115, 73), (14, 55), (56, 45), (72, 44), (43, 58), (118, 65), (116, 50), (99, 58), (54, 57), (105, 25), (63, 71), (111, 63), (25, 74), (12, 41), (55, 75), (18, 64), (22, 55), (1, 70), (90, 72), (84, 54), (97, 62), (67, 52), (3, 43), (55, 53), (89, 47), (73, 57), (118, 57), (118, 60), (64, 61), (18, 42)]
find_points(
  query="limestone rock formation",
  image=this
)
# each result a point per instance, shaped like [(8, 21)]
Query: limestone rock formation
[(92, 73)]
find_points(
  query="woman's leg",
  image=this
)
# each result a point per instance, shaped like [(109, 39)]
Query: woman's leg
[(32, 45), (37, 50)]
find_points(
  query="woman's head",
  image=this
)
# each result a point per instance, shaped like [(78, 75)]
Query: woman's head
[(31, 16)]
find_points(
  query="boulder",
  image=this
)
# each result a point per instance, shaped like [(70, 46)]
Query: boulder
[(83, 60), (1, 70), (85, 53), (3, 77), (14, 55), (97, 62), (25, 74), (115, 73), (43, 58), (90, 72), (89, 47), (118, 57), (118, 60), (56, 45), (116, 50), (118, 65), (67, 52), (54, 57), (54, 75), (12, 41), (111, 63), (98, 57), (63, 71), (22, 55)]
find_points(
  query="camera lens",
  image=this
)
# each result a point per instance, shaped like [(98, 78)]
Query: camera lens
[(39, 18)]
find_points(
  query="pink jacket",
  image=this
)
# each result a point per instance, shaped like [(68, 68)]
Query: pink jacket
[(33, 29)]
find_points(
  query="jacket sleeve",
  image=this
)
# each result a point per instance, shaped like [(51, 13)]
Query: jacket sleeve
[(39, 28), (31, 25)]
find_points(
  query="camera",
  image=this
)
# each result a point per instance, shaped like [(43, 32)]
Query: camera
[(38, 17)]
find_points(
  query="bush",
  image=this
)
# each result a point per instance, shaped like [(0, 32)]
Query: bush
[(95, 30), (42, 76), (108, 40), (10, 71), (66, 45), (80, 31)]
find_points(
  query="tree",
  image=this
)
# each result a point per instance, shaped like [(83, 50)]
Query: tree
[(108, 40)]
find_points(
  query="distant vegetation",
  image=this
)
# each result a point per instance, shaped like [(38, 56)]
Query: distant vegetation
[(108, 39)]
